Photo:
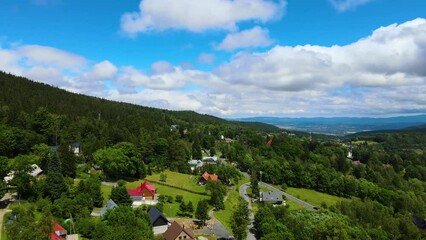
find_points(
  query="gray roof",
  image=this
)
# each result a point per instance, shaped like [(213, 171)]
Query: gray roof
[(109, 205), (154, 214), (271, 197)]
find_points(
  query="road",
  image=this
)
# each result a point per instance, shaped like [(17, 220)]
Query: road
[(243, 193)]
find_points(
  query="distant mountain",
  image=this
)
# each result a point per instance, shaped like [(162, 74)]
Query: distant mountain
[(342, 125)]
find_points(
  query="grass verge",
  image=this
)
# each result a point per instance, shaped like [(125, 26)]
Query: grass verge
[(224, 216), (313, 197)]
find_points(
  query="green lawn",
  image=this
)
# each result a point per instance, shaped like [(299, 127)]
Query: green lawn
[(175, 179), (224, 216), (362, 142), (179, 180), (313, 197)]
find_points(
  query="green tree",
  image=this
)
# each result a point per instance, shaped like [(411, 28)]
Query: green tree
[(201, 212), (68, 161), (240, 220), (196, 149), (254, 184), (120, 196), (55, 185), (190, 207)]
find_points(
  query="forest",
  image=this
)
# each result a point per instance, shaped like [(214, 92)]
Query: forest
[(39, 123)]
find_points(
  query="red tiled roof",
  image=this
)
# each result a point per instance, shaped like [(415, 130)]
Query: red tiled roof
[(137, 192), (212, 177)]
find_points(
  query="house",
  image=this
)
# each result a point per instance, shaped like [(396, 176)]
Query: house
[(35, 171), (210, 160), (76, 148), (195, 164), (271, 197), (419, 222), (157, 218), (206, 177), (109, 205), (177, 232), (143, 192), (58, 232)]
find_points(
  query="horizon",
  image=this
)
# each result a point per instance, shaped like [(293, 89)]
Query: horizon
[(269, 58)]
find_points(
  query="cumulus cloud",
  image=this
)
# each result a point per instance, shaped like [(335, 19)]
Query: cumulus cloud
[(103, 70), (206, 58), (344, 5), (391, 56), (255, 37), (197, 16), (36, 54), (380, 74)]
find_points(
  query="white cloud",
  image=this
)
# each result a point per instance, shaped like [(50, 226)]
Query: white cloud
[(162, 67), (391, 56), (380, 74), (36, 54), (206, 58), (197, 16), (344, 5), (255, 37), (103, 70)]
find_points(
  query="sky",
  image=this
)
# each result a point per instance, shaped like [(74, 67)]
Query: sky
[(227, 58)]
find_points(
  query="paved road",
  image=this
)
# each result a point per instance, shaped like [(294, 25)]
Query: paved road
[(243, 193), (288, 196)]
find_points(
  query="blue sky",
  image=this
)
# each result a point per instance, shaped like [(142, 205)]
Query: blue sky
[(226, 58)]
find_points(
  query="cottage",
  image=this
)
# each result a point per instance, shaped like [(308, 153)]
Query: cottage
[(157, 218), (76, 148), (195, 164), (35, 171), (177, 232), (58, 233), (109, 205), (271, 197), (206, 177), (144, 192), (419, 222)]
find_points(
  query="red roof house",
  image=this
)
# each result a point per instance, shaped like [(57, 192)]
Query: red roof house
[(206, 177), (144, 191), (58, 233), (176, 232)]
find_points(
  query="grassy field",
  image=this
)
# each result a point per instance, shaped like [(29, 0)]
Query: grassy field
[(313, 197), (362, 142), (179, 180), (224, 216), (176, 179)]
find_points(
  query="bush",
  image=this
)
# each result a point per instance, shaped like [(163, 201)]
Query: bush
[(179, 198)]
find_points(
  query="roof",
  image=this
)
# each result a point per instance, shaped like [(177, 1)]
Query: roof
[(154, 214), (419, 222), (75, 145), (138, 191), (214, 158), (212, 177), (175, 229), (36, 170), (57, 232), (271, 196), (109, 205)]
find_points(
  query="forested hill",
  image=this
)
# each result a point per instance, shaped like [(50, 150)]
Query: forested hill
[(71, 117)]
